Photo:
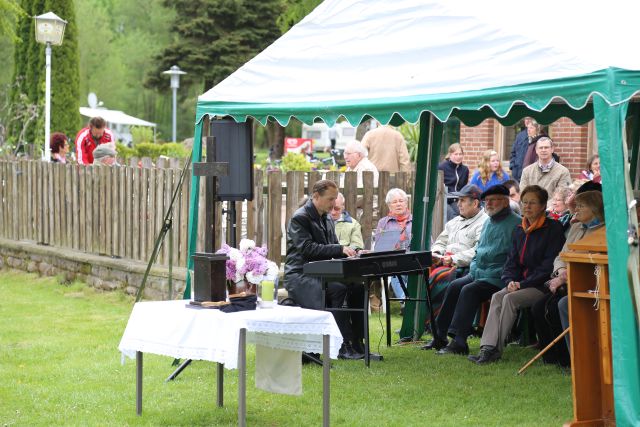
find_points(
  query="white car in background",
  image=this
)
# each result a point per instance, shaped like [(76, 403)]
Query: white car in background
[(319, 132)]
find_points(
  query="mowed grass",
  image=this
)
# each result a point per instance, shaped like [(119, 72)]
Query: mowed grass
[(59, 365)]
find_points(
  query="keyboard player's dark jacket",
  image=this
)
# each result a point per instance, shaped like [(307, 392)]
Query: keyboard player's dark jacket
[(310, 237)]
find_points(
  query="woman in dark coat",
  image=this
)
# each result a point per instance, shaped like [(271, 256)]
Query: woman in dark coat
[(536, 243), (590, 217), (456, 176)]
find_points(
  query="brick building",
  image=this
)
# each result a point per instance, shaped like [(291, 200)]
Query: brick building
[(574, 143)]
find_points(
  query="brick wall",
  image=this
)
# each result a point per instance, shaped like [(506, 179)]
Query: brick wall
[(476, 140), (571, 143)]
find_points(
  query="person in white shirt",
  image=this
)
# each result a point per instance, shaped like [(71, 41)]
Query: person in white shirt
[(355, 156)]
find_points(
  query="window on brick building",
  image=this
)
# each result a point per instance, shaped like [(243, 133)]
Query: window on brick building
[(509, 133), (451, 135)]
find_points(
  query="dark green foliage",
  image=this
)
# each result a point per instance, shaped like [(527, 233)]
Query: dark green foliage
[(26, 115), (65, 78), (215, 37)]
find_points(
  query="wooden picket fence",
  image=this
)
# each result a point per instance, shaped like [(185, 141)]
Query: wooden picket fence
[(119, 211)]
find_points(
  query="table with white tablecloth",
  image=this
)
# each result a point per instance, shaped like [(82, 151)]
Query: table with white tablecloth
[(172, 328)]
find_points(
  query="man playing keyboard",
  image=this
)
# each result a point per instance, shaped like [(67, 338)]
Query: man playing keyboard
[(311, 236)]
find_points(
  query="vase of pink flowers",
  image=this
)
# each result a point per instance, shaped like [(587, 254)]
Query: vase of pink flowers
[(247, 267)]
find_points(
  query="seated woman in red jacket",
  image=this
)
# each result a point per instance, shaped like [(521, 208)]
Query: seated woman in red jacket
[(535, 244)]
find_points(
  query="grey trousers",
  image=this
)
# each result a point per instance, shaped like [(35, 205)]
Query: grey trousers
[(502, 314)]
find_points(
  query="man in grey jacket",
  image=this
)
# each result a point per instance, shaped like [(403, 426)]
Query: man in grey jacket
[(464, 296)]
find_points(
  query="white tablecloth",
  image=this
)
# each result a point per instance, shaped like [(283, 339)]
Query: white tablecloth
[(170, 328)]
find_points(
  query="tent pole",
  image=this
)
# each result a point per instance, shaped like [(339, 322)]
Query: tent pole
[(427, 129), (196, 156), (635, 144), (625, 338), (430, 140)]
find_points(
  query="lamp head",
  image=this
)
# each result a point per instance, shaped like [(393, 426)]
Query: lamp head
[(50, 28), (175, 72)]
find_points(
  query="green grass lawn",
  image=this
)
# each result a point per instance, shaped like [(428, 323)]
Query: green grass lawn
[(60, 365)]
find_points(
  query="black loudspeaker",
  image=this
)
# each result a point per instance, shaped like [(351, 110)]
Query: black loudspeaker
[(234, 144)]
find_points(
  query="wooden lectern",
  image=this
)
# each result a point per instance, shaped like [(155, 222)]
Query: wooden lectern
[(589, 315)]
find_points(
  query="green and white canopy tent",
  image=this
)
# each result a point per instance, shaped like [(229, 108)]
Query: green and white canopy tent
[(428, 60)]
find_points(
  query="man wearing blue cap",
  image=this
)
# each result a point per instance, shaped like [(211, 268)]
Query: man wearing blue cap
[(464, 296)]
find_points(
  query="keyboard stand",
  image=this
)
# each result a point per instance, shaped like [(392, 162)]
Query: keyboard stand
[(388, 300)]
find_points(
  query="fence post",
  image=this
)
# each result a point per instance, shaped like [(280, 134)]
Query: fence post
[(274, 227)]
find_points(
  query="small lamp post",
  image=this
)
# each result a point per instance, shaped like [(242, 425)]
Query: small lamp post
[(175, 74), (50, 31)]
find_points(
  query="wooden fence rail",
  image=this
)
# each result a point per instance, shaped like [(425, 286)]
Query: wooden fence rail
[(119, 211)]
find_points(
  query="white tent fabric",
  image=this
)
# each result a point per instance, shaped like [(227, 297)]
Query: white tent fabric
[(115, 117), (432, 47)]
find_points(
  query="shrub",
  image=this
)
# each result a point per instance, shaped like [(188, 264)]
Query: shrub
[(295, 162), (125, 152), (149, 149), (175, 150)]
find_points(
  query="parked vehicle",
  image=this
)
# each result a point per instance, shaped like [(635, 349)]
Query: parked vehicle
[(319, 132)]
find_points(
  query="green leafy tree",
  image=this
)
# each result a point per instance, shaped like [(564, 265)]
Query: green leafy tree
[(10, 11), (294, 11), (118, 41)]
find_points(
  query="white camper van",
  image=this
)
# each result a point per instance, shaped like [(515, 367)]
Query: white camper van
[(319, 132)]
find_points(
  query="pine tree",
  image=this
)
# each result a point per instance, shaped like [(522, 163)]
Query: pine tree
[(216, 37)]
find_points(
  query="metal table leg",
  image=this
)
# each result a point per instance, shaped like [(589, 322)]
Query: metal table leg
[(242, 379), (138, 383), (365, 311), (326, 392), (387, 304), (220, 383)]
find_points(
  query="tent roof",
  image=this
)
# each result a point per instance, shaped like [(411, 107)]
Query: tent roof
[(115, 116), (376, 57)]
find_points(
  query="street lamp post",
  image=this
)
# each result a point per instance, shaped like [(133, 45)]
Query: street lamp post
[(50, 31), (175, 74)]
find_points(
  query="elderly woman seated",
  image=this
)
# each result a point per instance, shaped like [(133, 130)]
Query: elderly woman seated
[(535, 244), (394, 230), (590, 217)]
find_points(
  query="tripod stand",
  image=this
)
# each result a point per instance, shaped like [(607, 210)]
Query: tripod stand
[(231, 219), (166, 226)]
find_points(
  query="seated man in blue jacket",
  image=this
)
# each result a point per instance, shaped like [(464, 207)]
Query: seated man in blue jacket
[(464, 296)]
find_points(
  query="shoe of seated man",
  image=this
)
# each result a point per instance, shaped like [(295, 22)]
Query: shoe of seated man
[(346, 352), (454, 348), (435, 344), (358, 347), (488, 354)]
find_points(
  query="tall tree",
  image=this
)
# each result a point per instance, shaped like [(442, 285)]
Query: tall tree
[(65, 75), (10, 11), (215, 37), (28, 92)]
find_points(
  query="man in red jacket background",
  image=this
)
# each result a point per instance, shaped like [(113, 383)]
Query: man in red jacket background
[(90, 137)]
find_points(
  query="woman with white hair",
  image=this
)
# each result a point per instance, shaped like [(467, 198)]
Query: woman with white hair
[(394, 230), (355, 156)]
